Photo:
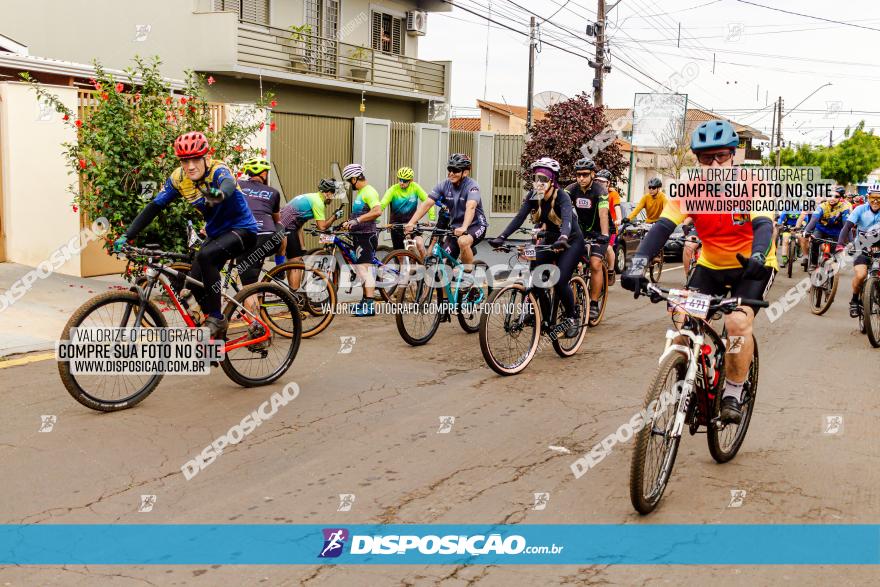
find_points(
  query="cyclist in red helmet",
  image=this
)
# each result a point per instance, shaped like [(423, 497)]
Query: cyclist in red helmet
[(211, 187)]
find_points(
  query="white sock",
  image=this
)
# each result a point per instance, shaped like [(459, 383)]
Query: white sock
[(733, 390)]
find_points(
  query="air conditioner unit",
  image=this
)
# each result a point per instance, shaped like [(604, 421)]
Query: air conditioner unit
[(417, 22)]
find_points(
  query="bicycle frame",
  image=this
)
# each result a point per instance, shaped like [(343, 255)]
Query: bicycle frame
[(159, 273), (443, 257)]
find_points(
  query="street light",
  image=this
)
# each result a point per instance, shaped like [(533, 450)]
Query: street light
[(805, 99)]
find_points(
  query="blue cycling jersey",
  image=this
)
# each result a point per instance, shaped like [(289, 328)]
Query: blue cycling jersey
[(864, 218), (788, 218), (233, 212)]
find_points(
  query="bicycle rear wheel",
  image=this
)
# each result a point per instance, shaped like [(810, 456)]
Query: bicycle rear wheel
[(108, 392), (251, 364), (470, 300), (726, 441), (871, 310), (419, 317), (397, 267), (315, 297), (566, 347), (509, 330), (656, 447), (823, 287)]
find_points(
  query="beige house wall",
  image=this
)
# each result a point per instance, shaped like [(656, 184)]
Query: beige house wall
[(37, 213), (186, 34), (84, 30), (321, 102)]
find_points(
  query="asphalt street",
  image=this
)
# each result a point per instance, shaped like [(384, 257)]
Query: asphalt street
[(366, 423)]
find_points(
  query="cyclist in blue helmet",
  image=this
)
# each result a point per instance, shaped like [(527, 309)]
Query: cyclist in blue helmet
[(739, 257)]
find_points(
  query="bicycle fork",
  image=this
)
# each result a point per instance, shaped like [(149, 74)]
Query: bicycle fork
[(685, 388)]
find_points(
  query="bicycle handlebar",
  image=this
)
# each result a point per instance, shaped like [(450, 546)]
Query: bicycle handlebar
[(721, 304)]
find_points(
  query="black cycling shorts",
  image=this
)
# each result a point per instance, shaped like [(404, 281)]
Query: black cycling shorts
[(294, 248), (365, 245), (477, 231), (719, 282), (596, 250)]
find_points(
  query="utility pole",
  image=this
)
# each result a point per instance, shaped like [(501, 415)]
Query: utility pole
[(533, 43), (599, 66), (831, 138), (779, 132), (773, 130)]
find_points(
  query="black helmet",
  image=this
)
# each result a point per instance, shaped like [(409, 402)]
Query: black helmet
[(840, 190), (655, 183), (585, 164), (604, 174), (459, 161), (327, 185)]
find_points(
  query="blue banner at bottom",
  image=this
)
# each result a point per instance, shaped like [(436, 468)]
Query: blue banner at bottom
[(147, 544)]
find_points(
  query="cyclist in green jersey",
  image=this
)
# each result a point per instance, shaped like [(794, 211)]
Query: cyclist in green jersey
[(403, 198), (365, 209)]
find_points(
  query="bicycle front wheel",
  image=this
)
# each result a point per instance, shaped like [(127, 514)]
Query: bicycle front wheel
[(108, 392), (261, 358), (419, 315), (871, 310), (603, 295), (510, 329), (823, 287), (315, 297), (656, 446), (656, 269)]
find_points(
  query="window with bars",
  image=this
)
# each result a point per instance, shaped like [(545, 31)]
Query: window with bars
[(256, 11), (323, 17), (387, 33)]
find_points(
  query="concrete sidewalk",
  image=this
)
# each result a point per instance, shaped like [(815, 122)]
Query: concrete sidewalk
[(34, 321)]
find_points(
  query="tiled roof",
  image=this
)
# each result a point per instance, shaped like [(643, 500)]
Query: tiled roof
[(470, 124), (520, 112)]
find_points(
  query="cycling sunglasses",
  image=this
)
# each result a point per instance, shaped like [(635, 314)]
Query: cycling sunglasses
[(540, 178), (583, 173), (720, 157), (453, 170)]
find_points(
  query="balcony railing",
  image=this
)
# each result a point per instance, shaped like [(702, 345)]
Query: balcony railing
[(290, 52)]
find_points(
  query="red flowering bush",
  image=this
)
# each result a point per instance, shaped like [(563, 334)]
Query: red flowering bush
[(567, 126), (124, 149)]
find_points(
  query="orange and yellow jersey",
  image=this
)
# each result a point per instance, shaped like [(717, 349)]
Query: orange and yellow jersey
[(613, 200), (722, 235)]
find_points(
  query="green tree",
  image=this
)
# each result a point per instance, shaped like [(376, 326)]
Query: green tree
[(849, 161), (568, 128), (124, 144)]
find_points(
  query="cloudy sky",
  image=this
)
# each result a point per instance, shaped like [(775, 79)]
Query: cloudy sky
[(759, 54)]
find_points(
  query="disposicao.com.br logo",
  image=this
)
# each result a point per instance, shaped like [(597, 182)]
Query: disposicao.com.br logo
[(430, 544)]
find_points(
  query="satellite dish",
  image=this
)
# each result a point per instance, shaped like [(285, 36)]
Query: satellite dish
[(544, 100)]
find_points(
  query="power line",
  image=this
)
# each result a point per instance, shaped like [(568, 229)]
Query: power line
[(769, 55), (858, 26)]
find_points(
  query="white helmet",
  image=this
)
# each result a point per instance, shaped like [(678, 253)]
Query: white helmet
[(353, 170), (546, 162)]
